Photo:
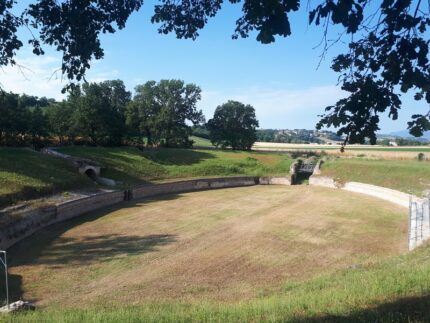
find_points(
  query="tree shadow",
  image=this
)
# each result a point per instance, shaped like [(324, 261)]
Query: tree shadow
[(49, 247), (39, 175), (406, 309), (95, 249), (178, 157), (15, 287)]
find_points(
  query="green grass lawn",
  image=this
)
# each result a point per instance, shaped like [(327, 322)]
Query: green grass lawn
[(26, 174), (105, 268), (133, 166), (409, 176), (393, 290), (201, 142)]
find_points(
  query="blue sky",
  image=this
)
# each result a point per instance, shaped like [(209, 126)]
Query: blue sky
[(280, 80)]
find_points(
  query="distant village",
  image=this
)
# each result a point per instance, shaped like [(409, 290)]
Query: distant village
[(326, 137)]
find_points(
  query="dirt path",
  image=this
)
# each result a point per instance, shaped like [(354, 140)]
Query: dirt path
[(226, 245)]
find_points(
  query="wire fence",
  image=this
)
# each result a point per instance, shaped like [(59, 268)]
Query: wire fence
[(419, 221)]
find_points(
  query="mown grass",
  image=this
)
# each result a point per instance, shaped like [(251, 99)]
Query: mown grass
[(408, 176), (391, 290), (27, 174), (132, 166)]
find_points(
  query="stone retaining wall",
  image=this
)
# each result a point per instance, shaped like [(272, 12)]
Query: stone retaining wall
[(84, 205), (387, 194), (322, 181), (285, 180), (25, 222), (191, 185), (383, 193)]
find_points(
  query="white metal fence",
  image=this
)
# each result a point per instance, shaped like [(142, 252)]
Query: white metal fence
[(419, 221)]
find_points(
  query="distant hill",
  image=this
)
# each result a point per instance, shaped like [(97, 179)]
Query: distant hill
[(298, 136), (406, 134)]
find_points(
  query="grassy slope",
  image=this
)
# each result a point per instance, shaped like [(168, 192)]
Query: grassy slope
[(26, 174), (406, 176), (201, 142), (394, 290), (132, 166)]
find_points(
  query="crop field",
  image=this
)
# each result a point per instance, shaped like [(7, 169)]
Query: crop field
[(370, 151), (245, 250)]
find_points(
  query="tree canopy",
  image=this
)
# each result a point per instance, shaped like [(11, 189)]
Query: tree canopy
[(104, 113), (233, 125), (388, 51), (163, 111)]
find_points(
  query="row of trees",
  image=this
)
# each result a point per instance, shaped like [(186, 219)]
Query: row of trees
[(159, 114)]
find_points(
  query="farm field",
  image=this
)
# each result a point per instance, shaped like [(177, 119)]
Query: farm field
[(404, 175), (131, 166), (26, 174), (258, 252), (369, 151), (288, 146)]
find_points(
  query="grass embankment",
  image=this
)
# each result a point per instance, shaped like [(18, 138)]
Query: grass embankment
[(252, 254), (394, 290), (132, 166), (406, 176), (201, 142), (26, 174)]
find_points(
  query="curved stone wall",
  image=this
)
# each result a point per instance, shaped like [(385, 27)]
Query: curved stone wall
[(387, 194), (24, 222), (383, 193)]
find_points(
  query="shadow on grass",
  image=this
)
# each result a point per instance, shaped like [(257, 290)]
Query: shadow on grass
[(50, 248), (28, 174), (407, 309), (97, 248), (176, 157)]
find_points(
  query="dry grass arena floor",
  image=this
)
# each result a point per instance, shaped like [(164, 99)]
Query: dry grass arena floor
[(223, 245)]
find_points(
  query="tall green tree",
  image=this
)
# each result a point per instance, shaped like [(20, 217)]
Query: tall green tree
[(163, 112), (100, 109), (37, 125), (60, 120), (13, 118), (233, 125)]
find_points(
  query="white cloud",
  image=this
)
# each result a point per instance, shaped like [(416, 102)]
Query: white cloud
[(40, 76), (277, 107), (35, 75)]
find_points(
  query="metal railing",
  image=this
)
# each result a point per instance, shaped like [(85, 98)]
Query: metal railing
[(419, 221)]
